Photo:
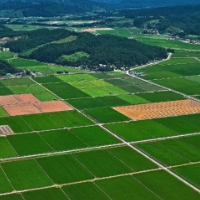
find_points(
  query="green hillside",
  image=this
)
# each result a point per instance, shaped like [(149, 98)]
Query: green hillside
[(84, 49)]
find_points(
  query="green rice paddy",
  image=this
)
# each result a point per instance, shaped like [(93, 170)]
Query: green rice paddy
[(72, 155)]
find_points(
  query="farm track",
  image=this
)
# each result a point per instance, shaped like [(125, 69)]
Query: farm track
[(96, 179), (78, 182), (166, 88), (155, 63), (153, 160), (86, 149), (123, 143), (132, 146), (4, 160)]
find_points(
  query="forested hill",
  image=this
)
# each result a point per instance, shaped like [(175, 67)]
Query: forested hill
[(155, 3), (69, 48), (26, 8), (185, 19), (148, 3), (7, 68), (50, 8)]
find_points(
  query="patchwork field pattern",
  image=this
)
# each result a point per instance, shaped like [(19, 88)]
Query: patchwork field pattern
[(26, 104), (159, 110), (22, 109), (78, 147), (52, 106), (24, 86), (172, 68)]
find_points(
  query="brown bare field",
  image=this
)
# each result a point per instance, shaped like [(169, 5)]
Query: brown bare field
[(21, 109), (27, 104), (26, 98), (6, 100), (16, 99), (159, 110), (90, 30), (6, 130), (52, 106)]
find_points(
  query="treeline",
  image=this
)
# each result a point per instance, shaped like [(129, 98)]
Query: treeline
[(7, 68), (32, 39), (185, 18), (7, 32)]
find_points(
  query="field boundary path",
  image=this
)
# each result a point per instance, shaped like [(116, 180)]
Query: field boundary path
[(129, 144), (166, 88), (86, 149), (152, 160)]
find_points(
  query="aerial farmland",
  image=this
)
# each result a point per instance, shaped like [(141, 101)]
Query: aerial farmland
[(99, 100), (88, 136)]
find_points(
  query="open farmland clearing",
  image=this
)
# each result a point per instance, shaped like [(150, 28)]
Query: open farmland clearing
[(111, 115), (50, 194), (3, 113), (5, 91), (71, 119), (17, 82), (29, 144), (159, 187), (85, 190), (177, 151), (36, 90), (78, 77), (180, 84), (86, 103), (85, 149), (61, 140), (21, 172), (16, 123), (24, 109), (183, 54), (26, 104), (145, 130), (52, 106), (7, 150), (35, 66), (46, 122), (94, 136), (56, 168), (158, 110), (29, 98), (173, 68), (189, 172)]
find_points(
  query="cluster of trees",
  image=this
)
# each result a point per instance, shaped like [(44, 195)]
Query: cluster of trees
[(7, 32), (32, 39), (185, 18), (5, 67), (154, 3), (44, 8)]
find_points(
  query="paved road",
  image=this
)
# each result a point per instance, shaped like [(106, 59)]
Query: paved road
[(154, 63)]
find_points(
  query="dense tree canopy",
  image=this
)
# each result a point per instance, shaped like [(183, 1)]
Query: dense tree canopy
[(38, 37), (7, 68), (84, 49), (186, 18), (45, 8)]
